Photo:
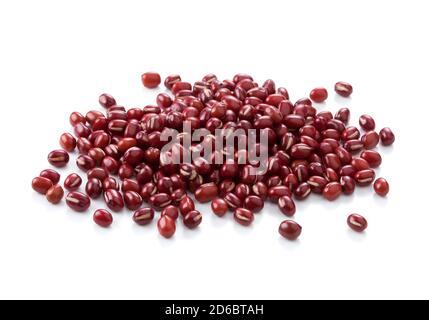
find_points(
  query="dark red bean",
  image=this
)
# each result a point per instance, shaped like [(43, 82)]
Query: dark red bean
[(110, 164), (180, 86), (67, 142), (302, 191), (106, 100), (370, 139), (360, 164), (300, 151), (347, 184), (132, 200), (163, 100), (232, 200), (192, 219), (171, 80), (253, 203), (290, 229), (41, 184), (294, 121), (114, 200), (72, 182), (206, 192), (319, 95), (331, 175), (103, 218), (171, 211), (381, 187), (343, 115), (151, 79), (76, 117), (344, 89), (166, 226), (353, 145), (344, 155), (110, 183), (317, 183), (177, 196), (332, 161), (130, 185), (51, 175), (347, 170), (58, 158), (219, 207), (98, 173), (291, 181), (332, 191), (350, 133), (125, 171), (55, 194), (287, 206), (78, 201), (260, 189), (367, 122), (93, 188), (97, 154), (372, 157), (148, 190), (356, 222), (387, 137), (143, 216), (364, 177), (85, 162), (159, 201), (84, 145), (275, 193), (243, 216)]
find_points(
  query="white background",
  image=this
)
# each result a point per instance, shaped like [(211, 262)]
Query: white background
[(57, 57)]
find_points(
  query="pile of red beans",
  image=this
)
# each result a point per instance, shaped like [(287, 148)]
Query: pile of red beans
[(309, 152)]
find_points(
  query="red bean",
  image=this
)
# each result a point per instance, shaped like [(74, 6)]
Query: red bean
[(130, 185), (243, 216), (302, 191), (350, 133), (76, 117), (319, 95), (347, 184), (67, 142), (143, 216), (166, 226), (51, 175), (353, 145), (253, 203), (287, 205), (381, 187), (206, 192), (93, 188), (159, 201), (387, 137), (290, 229), (78, 201), (192, 219), (364, 177), (360, 164), (219, 207), (171, 211), (343, 115), (72, 182), (148, 190), (41, 185), (332, 191), (372, 157), (85, 162), (171, 80), (103, 218), (367, 122), (232, 200), (317, 183), (357, 222), (370, 139), (114, 200), (344, 89), (58, 158), (110, 183), (151, 79), (275, 193), (132, 200), (55, 194)]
